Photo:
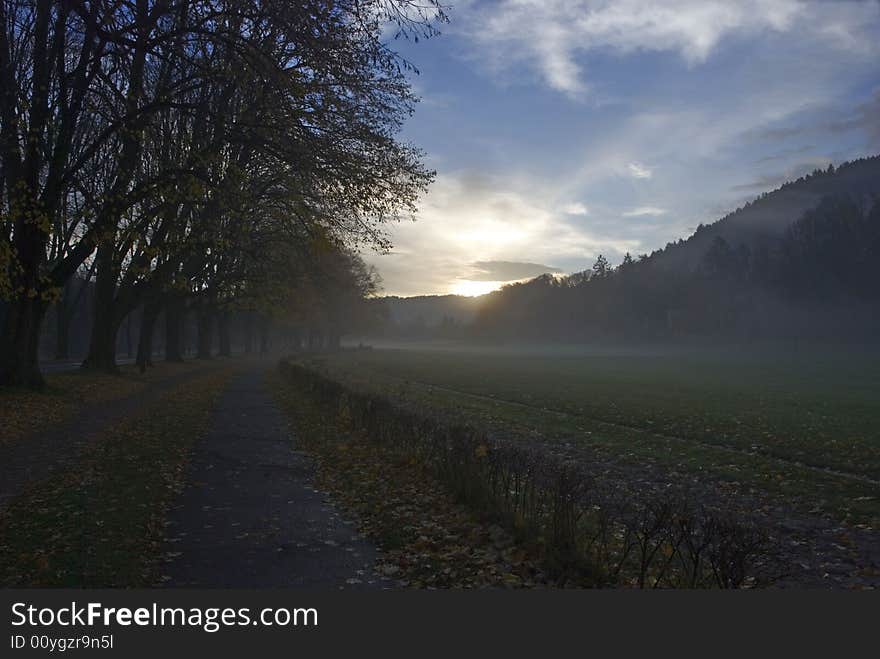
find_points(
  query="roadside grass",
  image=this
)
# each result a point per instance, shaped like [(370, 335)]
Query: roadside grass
[(428, 540), (100, 523), (753, 426), (24, 412)]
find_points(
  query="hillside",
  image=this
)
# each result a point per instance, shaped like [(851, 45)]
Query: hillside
[(776, 266), (770, 214), (798, 262)]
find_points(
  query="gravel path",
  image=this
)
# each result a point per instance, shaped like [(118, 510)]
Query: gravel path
[(249, 516)]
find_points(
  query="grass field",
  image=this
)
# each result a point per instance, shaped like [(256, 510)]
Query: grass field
[(98, 520), (802, 425), (24, 411)]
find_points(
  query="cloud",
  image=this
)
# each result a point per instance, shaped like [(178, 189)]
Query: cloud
[(476, 227), (508, 270), (785, 153), (515, 159), (575, 208), (643, 211), (773, 180), (550, 36), (637, 170), (865, 117)]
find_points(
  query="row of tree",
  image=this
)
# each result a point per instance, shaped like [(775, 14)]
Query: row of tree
[(203, 155), (332, 298)]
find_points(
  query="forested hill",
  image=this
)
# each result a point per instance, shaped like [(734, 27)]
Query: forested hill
[(800, 261), (797, 262), (769, 215)]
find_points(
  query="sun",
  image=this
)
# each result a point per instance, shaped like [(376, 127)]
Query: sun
[(471, 288)]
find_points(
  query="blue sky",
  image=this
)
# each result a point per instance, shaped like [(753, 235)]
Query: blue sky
[(561, 129)]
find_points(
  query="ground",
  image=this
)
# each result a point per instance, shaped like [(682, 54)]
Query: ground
[(792, 434), (223, 473), (796, 424), (210, 474)]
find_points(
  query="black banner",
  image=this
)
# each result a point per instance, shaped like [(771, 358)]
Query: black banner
[(150, 623)]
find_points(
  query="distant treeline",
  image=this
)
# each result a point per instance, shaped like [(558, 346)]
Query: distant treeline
[(760, 272), (818, 280)]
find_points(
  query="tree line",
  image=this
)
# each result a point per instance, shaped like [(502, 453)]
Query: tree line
[(817, 279), (197, 157)]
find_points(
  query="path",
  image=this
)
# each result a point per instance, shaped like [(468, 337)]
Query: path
[(249, 516)]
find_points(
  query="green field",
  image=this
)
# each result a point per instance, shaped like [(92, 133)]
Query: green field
[(802, 425)]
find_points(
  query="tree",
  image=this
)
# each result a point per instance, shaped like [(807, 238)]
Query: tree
[(159, 141), (721, 261), (71, 111), (601, 268), (50, 58)]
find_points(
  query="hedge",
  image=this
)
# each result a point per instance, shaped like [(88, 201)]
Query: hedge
[(621, 534)]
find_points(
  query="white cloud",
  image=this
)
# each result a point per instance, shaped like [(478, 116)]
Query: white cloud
[(550, 35), (643, 211), (575, 208), (638, 170)]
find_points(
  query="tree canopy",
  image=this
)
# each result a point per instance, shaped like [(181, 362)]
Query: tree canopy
[(173, 144)]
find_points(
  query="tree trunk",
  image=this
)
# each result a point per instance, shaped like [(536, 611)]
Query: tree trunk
[(102, 343), (102, 346), (63, 312), (145, 339), (205, 327), (223, 332), (20, 343), (20, 338), (174, 311), (316, 339), (264, 336), (334, 341), (248, 332), (129, 345)]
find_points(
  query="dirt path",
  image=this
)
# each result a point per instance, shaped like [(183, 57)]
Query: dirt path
[(41, 454), (249, 516)]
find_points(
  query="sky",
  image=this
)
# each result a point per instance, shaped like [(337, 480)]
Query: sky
[(565, 129)]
